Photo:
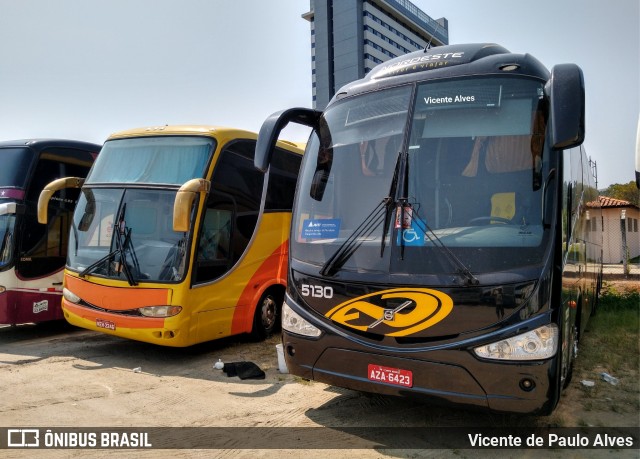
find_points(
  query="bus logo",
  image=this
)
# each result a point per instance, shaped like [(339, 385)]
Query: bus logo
[(422, 308), (23, 438)]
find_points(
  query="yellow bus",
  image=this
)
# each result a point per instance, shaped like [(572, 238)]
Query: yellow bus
[(176, 238)]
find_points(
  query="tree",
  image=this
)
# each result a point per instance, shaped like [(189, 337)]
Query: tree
[(625, 191)]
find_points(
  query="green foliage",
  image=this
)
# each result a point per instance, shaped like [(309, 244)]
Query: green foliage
[(611, 342), (614, 301), (625, 191)]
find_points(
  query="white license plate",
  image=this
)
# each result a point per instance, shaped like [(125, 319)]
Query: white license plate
[(390, 375), (105, 324)]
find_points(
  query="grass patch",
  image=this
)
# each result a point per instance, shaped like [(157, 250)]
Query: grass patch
[(612, 338), (612, 300)]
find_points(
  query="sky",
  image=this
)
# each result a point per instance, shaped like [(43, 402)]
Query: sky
[(84, 69)]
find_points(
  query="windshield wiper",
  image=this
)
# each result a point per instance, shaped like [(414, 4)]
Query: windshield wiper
[(402, 157), (355, 240), (92, 267), (403, 207), (123, 244), (382, 212), (462, 269)]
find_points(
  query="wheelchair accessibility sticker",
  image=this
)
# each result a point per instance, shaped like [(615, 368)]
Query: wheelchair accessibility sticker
[(413, 235)]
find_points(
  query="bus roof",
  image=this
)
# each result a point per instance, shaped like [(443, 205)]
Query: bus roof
[(221, 133), (41, 144), (445, 62)]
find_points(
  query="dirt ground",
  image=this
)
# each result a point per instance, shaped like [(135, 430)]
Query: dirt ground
[(56, 375)]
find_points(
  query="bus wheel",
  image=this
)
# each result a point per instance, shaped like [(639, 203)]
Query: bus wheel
[(266, 319)]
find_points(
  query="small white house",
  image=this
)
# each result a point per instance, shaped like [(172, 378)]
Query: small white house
[(619, 225)]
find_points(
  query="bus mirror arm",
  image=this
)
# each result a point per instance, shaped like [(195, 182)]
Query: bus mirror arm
[(271, 128), (184, 200), (50, 189)]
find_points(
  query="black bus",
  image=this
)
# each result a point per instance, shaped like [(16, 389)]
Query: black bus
[(441, 238)]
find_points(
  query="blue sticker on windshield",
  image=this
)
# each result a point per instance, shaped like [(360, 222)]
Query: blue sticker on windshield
[(321, 228), (413, 236)]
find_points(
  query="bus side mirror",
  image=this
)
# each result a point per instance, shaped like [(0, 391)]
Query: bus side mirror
[(49, 189), (89, 211), (271, 128), (566, 93), (184, 200)]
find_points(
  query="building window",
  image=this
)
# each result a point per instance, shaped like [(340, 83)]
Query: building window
[(392, 29), (372, 58), (380, 48), (388, 40)]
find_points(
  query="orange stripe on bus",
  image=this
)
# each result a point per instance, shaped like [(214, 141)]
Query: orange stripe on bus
[(116, 298), (119, 320), (273, 269)]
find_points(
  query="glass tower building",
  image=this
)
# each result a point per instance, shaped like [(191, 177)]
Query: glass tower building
[(350, 37)]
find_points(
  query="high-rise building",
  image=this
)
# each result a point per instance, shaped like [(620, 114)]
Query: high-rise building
[(350, 37)]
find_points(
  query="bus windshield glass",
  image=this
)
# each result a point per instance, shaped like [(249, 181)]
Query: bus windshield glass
[(411, 177), (126, 234), (16, 163), (152, 160), (7, 223)]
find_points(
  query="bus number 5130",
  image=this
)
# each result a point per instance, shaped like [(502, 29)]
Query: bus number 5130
[(316, 291)]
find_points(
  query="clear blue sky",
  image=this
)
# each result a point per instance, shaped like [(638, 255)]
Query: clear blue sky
[(86, 68)]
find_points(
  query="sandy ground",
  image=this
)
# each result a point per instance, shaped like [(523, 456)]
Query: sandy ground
[(58, 376)]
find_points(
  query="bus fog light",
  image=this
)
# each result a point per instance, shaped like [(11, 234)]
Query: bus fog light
[(538, 344), (70, 296), (160, 311), (527, 385), (292, 322)]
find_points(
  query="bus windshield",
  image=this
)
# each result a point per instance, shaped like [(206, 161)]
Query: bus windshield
[(126, 234), (7, 223), (152, 160), (16, 163), (414, 176)]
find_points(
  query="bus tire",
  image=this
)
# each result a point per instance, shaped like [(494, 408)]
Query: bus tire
[(266, 319)]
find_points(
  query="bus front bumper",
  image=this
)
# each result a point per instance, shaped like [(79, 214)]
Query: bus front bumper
[(443, 376), (149, 330)]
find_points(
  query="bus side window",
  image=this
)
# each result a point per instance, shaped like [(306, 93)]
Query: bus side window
[(43, 248), (216, 235), (231, 212), (214, 257), (283, 174)]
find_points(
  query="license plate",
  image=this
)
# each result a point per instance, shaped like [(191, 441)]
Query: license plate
[(105, 324), (389, 375)]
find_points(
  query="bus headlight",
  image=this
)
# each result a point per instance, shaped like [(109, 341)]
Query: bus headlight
[(160, 311), (537, 344), (292, 322), (2, 289), (70, 296)]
